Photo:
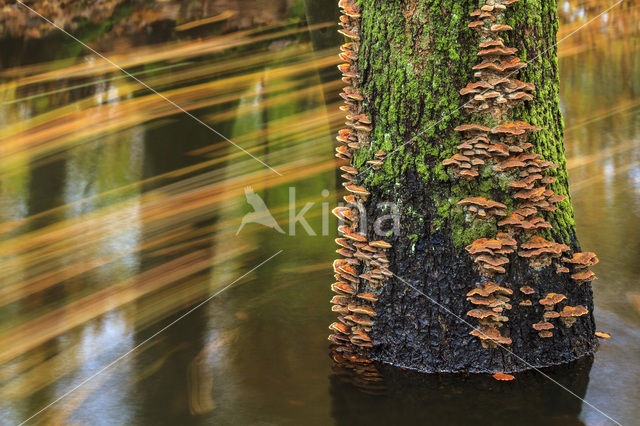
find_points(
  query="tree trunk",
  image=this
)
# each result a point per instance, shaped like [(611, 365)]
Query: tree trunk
[(414, 58)]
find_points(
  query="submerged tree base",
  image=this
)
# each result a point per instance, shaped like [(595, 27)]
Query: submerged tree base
[(406, 63)]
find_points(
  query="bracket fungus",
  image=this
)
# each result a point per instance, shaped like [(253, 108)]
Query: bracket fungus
[(527, 290), (490, 337), (494, 301), (354, 300), (483, 208), (540, 252), (581, 263), (504, 149), (551, 299), (489, 254), (570, 314)]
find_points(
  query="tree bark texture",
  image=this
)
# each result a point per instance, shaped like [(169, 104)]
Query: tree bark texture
[(414, 57)]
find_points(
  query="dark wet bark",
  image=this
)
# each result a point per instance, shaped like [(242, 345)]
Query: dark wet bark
[(414, 58)]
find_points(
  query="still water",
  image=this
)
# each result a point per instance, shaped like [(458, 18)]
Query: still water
[(120, 215)]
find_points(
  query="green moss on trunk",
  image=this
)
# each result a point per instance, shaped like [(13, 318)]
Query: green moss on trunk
[(414, 59)]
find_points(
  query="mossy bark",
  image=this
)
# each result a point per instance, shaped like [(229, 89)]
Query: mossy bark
[(414, 58)]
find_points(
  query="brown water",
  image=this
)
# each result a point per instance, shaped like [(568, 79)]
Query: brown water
[(119, 216)]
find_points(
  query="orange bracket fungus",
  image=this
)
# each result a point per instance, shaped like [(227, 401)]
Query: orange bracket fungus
[(504, 149), (364, 266), (581, 263), (570, 314)]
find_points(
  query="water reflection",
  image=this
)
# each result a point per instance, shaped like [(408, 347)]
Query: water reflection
[(118, 214), (413, 398)]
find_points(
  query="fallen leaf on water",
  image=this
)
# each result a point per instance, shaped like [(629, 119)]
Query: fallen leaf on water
[(503, 377)]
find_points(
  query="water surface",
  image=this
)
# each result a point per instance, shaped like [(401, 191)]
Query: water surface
[(119, 214)]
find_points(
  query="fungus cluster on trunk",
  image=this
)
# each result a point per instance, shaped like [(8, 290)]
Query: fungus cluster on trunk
[(491, 301), (363, 266), (504, 149)]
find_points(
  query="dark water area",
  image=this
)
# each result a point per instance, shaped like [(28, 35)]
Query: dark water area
[(127, 280)]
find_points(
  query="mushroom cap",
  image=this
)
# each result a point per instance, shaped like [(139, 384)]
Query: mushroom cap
[(339, 328), (550, 314), (360, 320), (481, 201), (498, 51), (488, 65), (552, 298), (338, 263), (543, 325), (573, 311), (355, 236), (485, 313), (349, 169), (492, 260), (527, 290), (586, 275), (341, 287), (506, 239), (369, 297), (341, 300), (557, 198), (360, 335), (471, 128), (349, 34), (380, 244), (545, 334), (336, 339), (490, 333), (498, 148), (343, 242), (513, 219), (510, 163), (483, 245), (345, 252), (486, 301), (503, 377), (362, 309), (348, 269), (469, 173), (344, 214), (530, 194), (538, 242), (492, 43), (357, 190), (340, 309), (602, 335), (474, 87), (584, 259), (520, 95), (488, 288)]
